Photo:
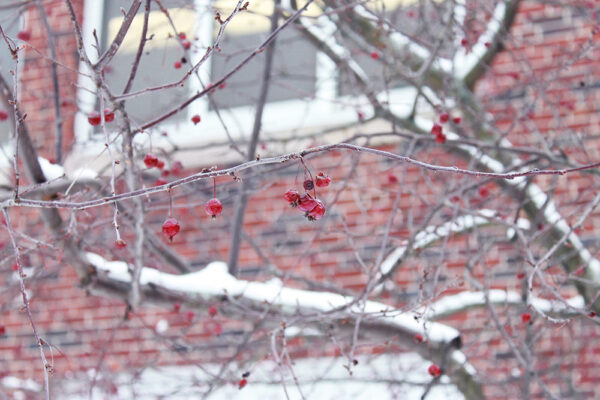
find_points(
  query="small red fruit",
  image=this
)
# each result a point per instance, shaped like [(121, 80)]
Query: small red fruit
[(170, 227), (434, 370), (374, 55), (322, 180), (160, 182), (487, 44), (150, 160), (456, 120), (213, 207), (120, 243), (196, 119), (2, 330), (317, 212), (521, 275), (189, 315), (436, 129), (15, 267), (182, 36), (186, 44), (177, 168), (160, 164), (242, 383), (392, 178), (164, 173), (24, 35), (222, 85), (444, 117), (292, 197), (3, 115), (308, 184), (177, 307), (464, 42), (94, 118), (177, 64), (419, 338), (441, 138), (109, 115), (592, 314), (484, 191), (306, 202), (525, 317), (212, 311)]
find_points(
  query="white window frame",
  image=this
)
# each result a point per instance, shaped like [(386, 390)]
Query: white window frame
[(326, 109)]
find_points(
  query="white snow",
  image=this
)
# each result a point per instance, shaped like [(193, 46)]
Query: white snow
[(13, 383), (323, 378), (51, 171), (214, 280)]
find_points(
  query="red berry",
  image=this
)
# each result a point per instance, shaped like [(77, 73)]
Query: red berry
[(242, 383), (484, 191), (177, 307), (177, 64), (436, 129), (212, 310), (177, 168), (160, 164), (487, 44), (444, 117), (222, 85), (170, 227), (3, 115), (456, 120), (375, 55), (15, 267), (434, 370), (317, 212), (109, 115), (392, 178), (521, 275), (592, 314), (322, 180), (360, 115), (186, 44), (464, 42), (525, 317), (441, 138), (165, 173), (196, 119), (213, 207), (150, 160), (2, 330), (189, 315), (24, 35), (120, 243), (94, 118), (419, 338), (292, 197), (182, 36), (308, 184), (160, 182), (306, 202)]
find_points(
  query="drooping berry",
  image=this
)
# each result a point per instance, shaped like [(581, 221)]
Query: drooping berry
[(177, 64), (160, 164), (196, 119), (592, 314), (308, 184), (525, 317), (150, 160), (120, 243), (213, 207), (441, 138), (317, 212), (24, 35), (392, 178), (164, 173), (182, 36), (160, 182), (177, 168), (186, 44), (457, 120), (292, 197), (374, 55), (322, 180), (464, 42), (212, 311), (3, 115), (243, 382), (109, 115), (419, 338), (436, 129), (222, 85), (483, 191), (434, 370), (94, 118), (170, 227), (306, 202), (444, 117)]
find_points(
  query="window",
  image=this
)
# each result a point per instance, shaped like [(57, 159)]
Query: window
[(307, 88), (10, 22)]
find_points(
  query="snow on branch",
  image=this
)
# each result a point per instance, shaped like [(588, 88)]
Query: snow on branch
[(214, 282), (463, 301)]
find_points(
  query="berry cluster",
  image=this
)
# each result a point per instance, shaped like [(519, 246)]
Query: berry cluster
[(437, 129), (94, 118), (312, 207)]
